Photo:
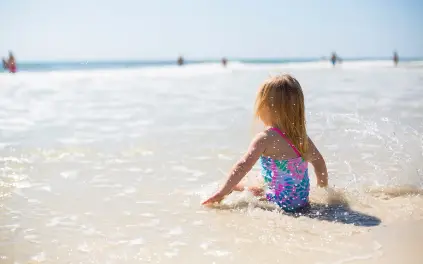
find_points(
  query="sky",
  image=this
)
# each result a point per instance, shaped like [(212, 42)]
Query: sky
[(207, 29)]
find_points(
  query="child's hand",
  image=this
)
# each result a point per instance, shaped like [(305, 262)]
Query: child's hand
[(216, 198)]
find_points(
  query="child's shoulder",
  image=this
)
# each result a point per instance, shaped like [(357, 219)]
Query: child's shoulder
[(266, 136), (268, 133)]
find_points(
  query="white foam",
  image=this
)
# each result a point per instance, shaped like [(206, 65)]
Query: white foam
[(152, 223), (138, 241), (147, 202), (40, 257), (204, 245), (194, 173), (171, 254), (134, 169), (176, 231), (224, 157), (62, 220), (130, 190), (218, 253), (46, 188), (11, 228), (90, 231), (71, 175), (177, 244), (34, 201), (180, 72), (198, 223), (147, 215), (23, 184), (84, 248)]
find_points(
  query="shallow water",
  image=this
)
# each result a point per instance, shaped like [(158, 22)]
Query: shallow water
[(110, 166)]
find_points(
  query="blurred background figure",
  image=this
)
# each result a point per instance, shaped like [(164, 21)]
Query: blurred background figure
[(4, 63), (395, 58), (180, 61), (224, 61), (10, 63), (333, 58)]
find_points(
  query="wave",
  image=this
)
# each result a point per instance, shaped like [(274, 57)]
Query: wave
[(169, 68)]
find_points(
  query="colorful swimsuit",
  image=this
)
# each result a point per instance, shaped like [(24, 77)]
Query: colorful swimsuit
[(12, 68), (287, 181)]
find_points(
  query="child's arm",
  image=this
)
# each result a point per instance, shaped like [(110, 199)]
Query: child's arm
[(319, 164), (241, 168)]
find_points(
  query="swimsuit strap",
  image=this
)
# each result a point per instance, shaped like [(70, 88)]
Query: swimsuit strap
[(286, 139)]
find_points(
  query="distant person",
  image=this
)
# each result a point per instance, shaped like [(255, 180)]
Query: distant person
[(11, 63), (180, 61), (395, 58), (5, 64), (333, 58), (284, 150), (224, 62)]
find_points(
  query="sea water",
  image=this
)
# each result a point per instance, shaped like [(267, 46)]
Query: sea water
[(110, 165)]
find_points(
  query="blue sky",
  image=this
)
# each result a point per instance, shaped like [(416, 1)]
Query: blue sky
[(163, 29)]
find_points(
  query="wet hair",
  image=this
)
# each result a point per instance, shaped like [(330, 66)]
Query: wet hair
[(282, 98)]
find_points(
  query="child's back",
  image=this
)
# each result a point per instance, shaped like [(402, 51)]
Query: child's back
[(285, 172)]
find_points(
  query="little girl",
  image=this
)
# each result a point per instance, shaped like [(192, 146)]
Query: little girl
[(284, 149)]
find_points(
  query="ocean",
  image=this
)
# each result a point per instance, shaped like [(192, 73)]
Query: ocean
[(108, 163), (43, 66)]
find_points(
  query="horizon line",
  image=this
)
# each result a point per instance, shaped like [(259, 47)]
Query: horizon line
[(245, 59)]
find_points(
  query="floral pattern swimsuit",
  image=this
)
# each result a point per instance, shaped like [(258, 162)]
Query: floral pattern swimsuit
[(287, 181)]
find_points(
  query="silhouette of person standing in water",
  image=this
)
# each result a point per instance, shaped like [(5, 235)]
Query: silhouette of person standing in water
[(180, 61), (224, 61), (395, 58), (10, 64), (333, 58), (4, 64)]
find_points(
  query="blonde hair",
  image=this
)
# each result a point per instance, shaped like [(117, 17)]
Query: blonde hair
[(282, 99)]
